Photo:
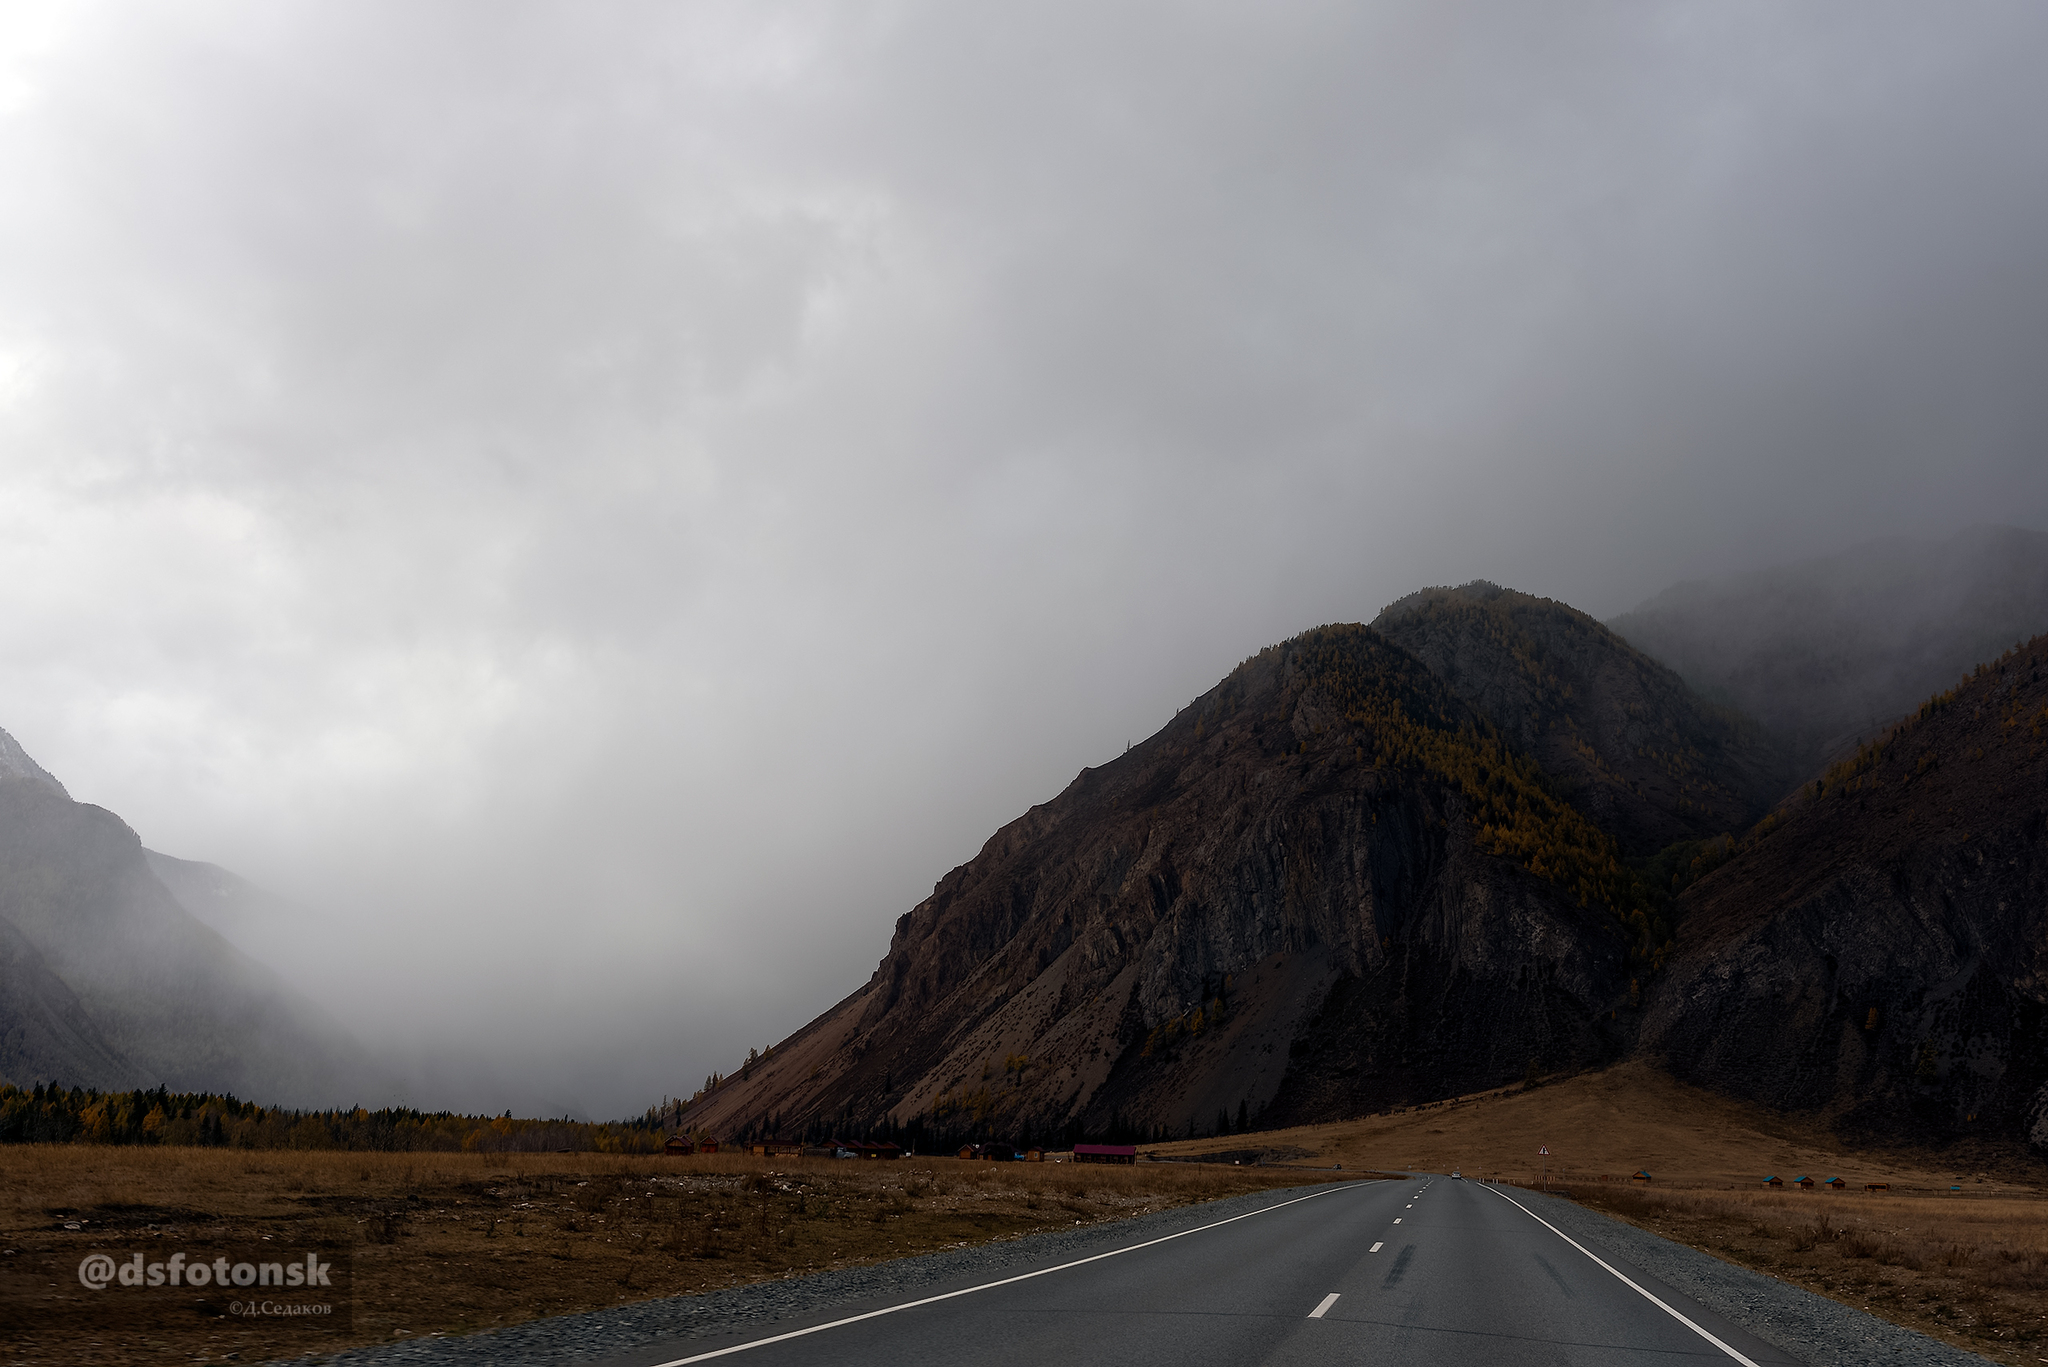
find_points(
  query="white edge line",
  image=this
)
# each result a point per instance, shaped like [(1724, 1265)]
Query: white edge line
[(1644, 1292), (1006, 1281), (1324, 1308)]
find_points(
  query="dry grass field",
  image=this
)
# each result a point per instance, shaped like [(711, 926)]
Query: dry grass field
[(448, 1243), (1971, 1270), (1969, 1266)]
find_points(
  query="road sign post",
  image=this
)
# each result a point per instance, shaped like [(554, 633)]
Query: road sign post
[(1544, 1150)]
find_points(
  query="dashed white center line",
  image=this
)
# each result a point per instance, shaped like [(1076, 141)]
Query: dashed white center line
[(1377, 1247), (1324, 1308), (1397, 1219)]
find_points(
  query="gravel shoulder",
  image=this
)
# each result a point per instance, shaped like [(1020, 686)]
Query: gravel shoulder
[(1812, 1328)]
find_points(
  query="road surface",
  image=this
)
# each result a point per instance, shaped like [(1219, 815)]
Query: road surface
[(1424, 1271)]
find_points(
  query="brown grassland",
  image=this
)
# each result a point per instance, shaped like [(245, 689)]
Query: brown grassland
[(451, 1243), (1969, 1267)]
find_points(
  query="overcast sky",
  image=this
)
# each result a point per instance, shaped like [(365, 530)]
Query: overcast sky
[(605, 504)]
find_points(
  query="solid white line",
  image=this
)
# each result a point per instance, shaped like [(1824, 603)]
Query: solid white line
[(1640, 1291), (1006, 1281), (1324, 1308), (1377, 1247)]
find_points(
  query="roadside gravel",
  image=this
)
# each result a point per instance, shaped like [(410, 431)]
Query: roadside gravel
[(1813, 1328)]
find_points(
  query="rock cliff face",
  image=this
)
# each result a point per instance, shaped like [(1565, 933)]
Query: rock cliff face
[(1328, 885), (1621, 735), (1878, 949)]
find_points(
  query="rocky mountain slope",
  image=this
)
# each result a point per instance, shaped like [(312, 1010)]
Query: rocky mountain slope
[(1347, 878), (107, 981), (1878, 949), (1621, 736), (1832, 650), (1328, 885)]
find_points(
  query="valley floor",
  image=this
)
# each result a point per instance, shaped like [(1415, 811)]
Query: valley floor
[(454, 1243)]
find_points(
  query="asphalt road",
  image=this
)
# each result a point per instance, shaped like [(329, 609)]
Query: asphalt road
[(1423, 1271)]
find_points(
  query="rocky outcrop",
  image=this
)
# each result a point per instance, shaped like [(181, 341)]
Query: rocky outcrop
[(1298, 898), (1878, 949), (1620, 735)]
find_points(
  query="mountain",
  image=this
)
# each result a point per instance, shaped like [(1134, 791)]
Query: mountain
[(1878, 948), (110, 982), (1831, 650), (1376, 866), (1620, 735), (1327, 886)]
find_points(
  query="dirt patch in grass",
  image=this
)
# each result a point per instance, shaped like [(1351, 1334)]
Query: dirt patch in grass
[(453, 1243)]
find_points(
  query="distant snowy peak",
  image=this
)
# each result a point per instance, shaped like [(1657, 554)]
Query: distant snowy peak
[(17, 767)]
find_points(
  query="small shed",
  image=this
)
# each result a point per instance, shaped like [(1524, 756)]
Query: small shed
[(707, 1146), (1803, 1182), (1034, 1155), (1835, 1184), (1105, 1153), (678, 1145), (1774, 1181), (1642, 1175), (999, 1153), (775, 1148), (970, 1150)]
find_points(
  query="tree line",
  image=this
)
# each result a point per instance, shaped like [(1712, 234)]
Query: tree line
[(53, 1114)]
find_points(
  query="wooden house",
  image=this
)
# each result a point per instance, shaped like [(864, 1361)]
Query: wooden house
[(1105, 1153), (1774, 1181)]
